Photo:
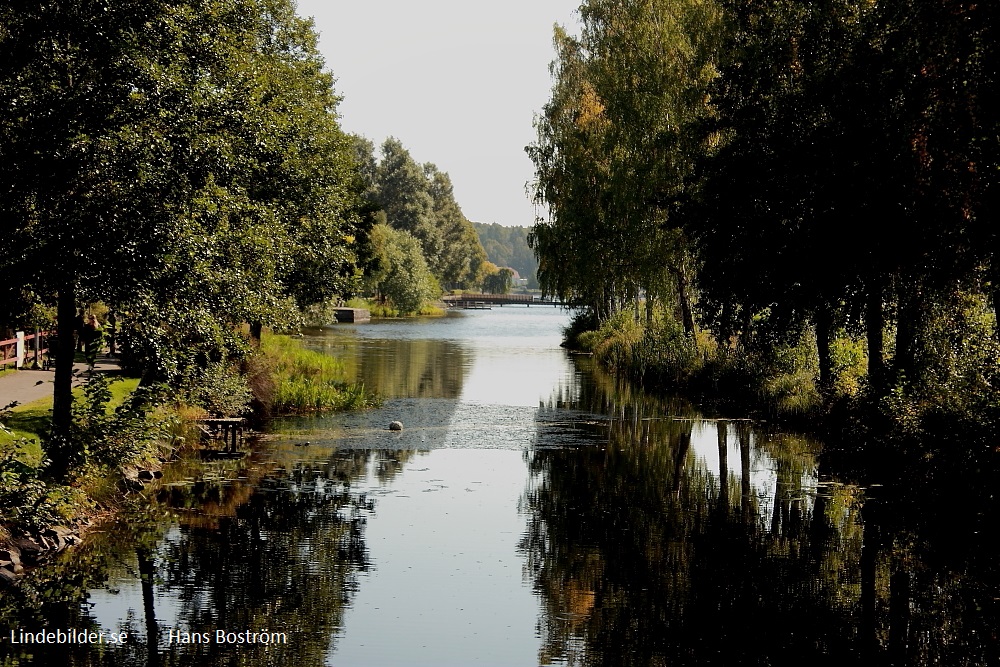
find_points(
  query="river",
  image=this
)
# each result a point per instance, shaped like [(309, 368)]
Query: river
[(532, 511)]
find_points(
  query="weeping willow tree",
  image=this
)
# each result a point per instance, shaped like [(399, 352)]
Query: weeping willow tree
[(616, 151)]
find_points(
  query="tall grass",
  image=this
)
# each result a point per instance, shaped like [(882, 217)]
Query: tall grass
[(779, 384), (387, 310), (304, 381)]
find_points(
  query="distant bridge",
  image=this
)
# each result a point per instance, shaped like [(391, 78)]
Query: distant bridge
[(489, 300)]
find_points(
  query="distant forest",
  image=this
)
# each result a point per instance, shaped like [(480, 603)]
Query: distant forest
[(508, 246)]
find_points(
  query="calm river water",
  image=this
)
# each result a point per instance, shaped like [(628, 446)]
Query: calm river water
[(531, 512)]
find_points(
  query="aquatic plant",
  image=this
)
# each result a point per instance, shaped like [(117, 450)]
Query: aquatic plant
[(305, 380)]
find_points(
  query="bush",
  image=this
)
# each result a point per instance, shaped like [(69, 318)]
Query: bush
[(27, 502), (780, 381), (219, 388), (584, 322), (105, 435)]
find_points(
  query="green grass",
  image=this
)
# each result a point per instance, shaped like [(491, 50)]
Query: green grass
[(27, 422), (388, 311), (309, 381), (31, 420)]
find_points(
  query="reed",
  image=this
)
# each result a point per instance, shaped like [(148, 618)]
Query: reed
[(306, 381)]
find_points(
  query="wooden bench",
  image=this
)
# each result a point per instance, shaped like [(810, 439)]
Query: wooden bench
[(228, 429)]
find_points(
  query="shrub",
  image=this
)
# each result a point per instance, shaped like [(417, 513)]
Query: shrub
[(28, 503), (219, 388)]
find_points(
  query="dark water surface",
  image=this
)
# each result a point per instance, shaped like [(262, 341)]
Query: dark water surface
[(531, 512)]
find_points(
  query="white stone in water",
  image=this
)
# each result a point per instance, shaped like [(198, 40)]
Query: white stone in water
[(396, 426)]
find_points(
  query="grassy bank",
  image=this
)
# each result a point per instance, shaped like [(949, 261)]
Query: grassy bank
[(110, 438), (305, 381), (387, 310), (947, 416), (120, 429), (780, 383)]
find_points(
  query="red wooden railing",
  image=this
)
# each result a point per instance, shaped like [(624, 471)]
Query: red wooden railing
[(8, 348)]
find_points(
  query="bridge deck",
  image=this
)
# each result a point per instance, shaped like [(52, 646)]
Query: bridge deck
[(467, 300)]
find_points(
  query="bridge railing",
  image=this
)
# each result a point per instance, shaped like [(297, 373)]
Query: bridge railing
[(16, 350), (498, 299)]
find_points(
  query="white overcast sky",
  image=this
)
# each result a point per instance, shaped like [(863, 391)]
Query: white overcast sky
[(457, 81)]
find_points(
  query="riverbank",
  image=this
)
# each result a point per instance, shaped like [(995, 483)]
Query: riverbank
[(915, 423), (780, 383), (780, 386), (386, 310), (124, 436)]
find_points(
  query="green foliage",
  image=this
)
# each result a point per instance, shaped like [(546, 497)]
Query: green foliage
[(106, 434), (616, 150), (950, 392), (402, 193), (420, 200), (387, 310), (498, 282), (780, 382), (307, 381), (462, 254), (582, 323), (27, 501), (849, 365), (219, 388), (762, 158), (402, 277), (658, 352), (508, 246), (182, 163)]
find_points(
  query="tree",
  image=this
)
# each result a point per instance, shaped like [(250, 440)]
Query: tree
[(402, 276), (402, 192), (508, 246), (182, 164), (617, 146), (76, 88), (462, 254), (499, 281)]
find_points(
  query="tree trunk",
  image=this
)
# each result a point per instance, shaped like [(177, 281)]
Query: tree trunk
[(723, 442), (871, 547), (908, 323), (680, 457), (899, 616), (746, 491), (62, 385), (875, 323), (824, 339), (147, 573), (256, 331), (687, 317)]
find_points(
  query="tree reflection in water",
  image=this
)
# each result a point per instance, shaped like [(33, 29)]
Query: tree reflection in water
[(283, 559), (684, 541)]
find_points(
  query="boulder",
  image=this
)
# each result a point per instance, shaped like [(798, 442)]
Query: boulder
[(62, 536), (12, 554), (29, 549), (396, 426), (7, 578), (16, 568)]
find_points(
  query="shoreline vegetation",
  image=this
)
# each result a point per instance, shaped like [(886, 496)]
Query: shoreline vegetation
[(786, 210), (139, 206), (45, 515)]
